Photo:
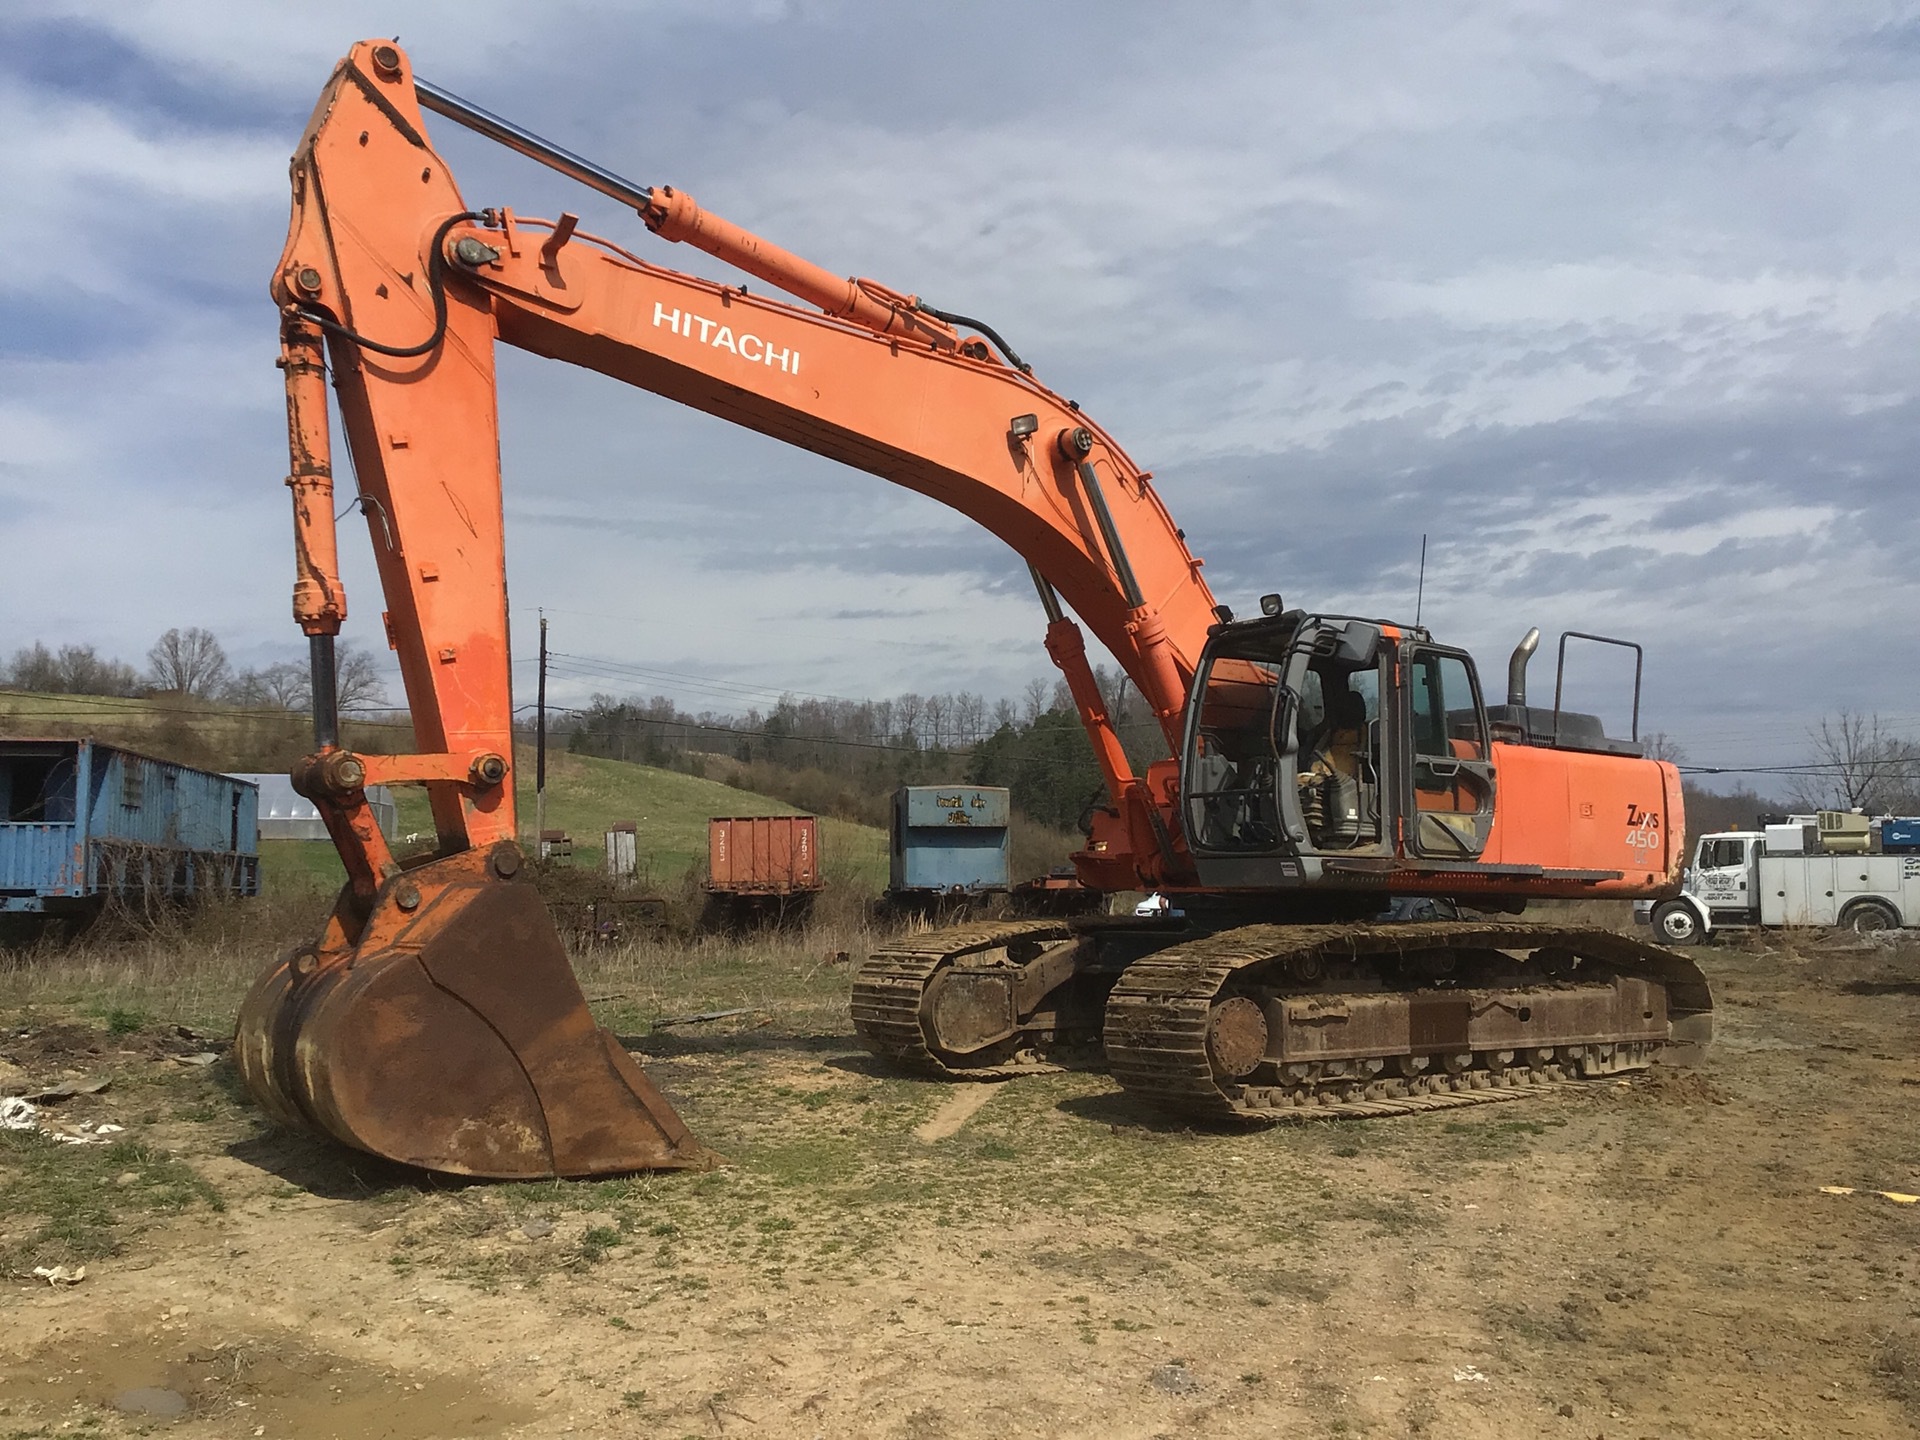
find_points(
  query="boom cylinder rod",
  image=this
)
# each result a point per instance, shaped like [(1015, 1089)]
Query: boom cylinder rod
[(484, 122), (326, 696), (1049, 598), (1103, 517), (675, 215)]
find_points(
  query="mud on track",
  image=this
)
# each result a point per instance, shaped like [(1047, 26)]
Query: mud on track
[(1648, 1259)]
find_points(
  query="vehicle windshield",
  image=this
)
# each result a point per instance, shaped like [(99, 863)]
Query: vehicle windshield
[(1233, 770), (1252, 735)]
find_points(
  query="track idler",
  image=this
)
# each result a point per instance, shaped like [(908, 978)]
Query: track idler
[(452, 1035), (962, 1001)]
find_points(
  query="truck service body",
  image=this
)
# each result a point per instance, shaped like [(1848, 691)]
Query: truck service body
[(1738, 880)]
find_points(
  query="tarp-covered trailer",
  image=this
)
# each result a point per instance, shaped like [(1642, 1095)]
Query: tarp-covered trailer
[(82, 823)]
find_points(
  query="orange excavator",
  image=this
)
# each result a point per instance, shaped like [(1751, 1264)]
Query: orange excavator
[(1322, 767)]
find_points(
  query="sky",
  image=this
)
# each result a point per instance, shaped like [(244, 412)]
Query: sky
[(1616, 305)]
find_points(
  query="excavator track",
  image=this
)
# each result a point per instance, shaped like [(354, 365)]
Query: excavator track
[(1186, 1028), (891, 988)]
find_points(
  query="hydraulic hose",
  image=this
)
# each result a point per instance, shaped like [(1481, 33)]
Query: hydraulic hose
[(436, 286), (987, 330)]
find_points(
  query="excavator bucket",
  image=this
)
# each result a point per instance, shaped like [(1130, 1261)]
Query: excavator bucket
[(453, 1036)]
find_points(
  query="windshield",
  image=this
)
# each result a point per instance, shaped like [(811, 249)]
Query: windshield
[(1233, 770)]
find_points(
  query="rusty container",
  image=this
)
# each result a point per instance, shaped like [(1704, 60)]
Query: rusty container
[(83, 823), (763, 855)]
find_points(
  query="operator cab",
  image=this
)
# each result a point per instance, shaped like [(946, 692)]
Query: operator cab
[(1320, 745), (1311, 737)]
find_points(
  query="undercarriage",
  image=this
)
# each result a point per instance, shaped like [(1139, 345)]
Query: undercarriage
[(1274, 1021)]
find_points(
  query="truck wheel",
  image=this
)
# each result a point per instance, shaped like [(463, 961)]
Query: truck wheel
[(1870, 917), (1675, 923)]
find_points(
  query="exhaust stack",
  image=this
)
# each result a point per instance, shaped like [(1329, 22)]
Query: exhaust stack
[(1517, 668)]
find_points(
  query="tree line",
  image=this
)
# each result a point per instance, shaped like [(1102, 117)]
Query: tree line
[(845, 757), (192, 663)]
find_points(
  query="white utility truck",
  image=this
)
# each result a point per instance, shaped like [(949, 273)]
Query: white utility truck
[(1832, 869)]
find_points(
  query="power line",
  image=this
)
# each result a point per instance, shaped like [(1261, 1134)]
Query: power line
[(1821, 767), (620, 669)]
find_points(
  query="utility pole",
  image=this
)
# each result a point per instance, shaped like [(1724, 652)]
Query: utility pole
[(540, 750)]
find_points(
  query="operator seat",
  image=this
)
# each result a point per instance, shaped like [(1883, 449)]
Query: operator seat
[(1338, 792)]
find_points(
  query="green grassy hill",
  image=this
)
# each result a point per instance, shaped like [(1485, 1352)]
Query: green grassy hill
[(585, 796)]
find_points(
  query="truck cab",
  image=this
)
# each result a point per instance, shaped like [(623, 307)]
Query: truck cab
[(1720, 889)]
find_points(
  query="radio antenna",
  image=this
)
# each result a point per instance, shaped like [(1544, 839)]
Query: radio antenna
[(1420, 598)]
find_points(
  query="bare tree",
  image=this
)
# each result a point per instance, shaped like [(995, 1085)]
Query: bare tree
[(939, 713), (33, 668), (1857, 764), (246, 691), (907, 710), (188, 662), (1034, 699), (76, 670), (283, 686), (84, 672), (969, 717), (357, 680), (288, 685), (1662, 746)]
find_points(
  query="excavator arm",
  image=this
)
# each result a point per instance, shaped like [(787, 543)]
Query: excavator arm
[(443, 978)]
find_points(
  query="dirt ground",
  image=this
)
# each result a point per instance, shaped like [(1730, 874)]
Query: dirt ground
[(895, 1258)]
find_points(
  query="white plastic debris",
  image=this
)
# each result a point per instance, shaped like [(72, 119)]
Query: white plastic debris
[(21, 1114), (60, 1274), (1469, 1374)]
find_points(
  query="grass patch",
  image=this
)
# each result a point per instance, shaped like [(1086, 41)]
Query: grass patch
[(1490, 1139), (1559, 1326), (86, 1198), (1896, 1367), (823, 1193), (594, 1244), (1394, 1215)]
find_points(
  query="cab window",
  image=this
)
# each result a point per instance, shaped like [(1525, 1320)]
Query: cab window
[(1446, 711), (1366, 684), (1722, 854)]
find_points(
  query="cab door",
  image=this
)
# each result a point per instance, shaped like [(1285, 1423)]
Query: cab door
[(1447, 780), (1721, 877)]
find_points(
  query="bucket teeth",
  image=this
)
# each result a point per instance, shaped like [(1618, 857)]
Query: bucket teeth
[(454, 1037)]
